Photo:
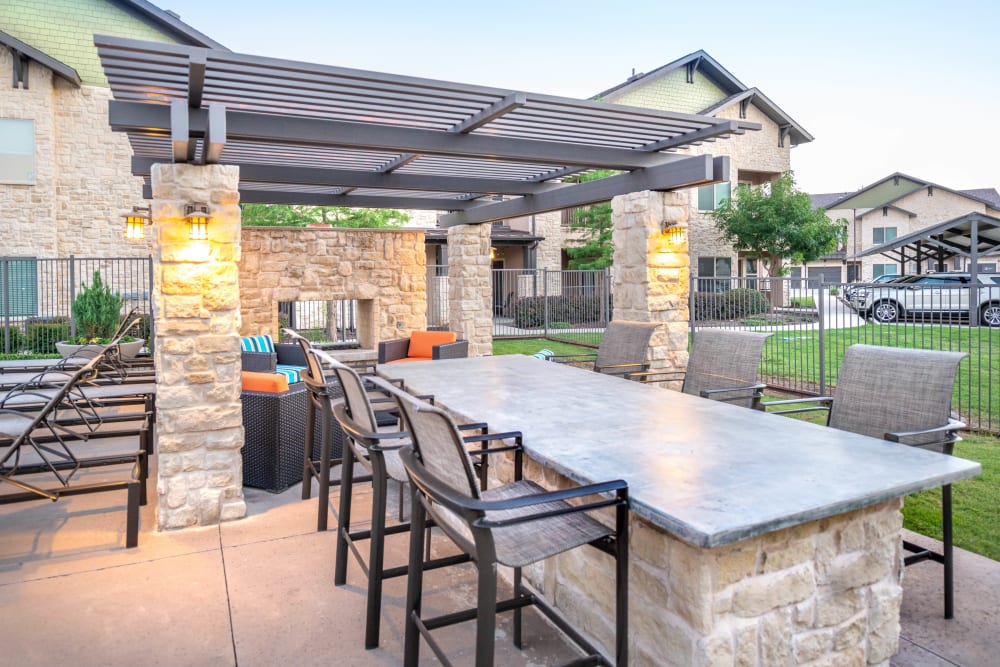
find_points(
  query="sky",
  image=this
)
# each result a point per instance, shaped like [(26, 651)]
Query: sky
[(884, 86)]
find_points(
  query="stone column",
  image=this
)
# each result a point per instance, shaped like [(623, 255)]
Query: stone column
[(650, 275), (470, 288), (196, 302)]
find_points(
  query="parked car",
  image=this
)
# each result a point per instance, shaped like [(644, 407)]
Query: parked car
[(933, 294), (855, 290)]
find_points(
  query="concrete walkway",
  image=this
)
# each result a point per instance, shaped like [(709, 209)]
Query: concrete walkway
[(260, 592)]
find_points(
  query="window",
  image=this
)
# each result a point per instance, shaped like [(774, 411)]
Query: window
[(715, 267), (879, 270), (17, 151), (882, 235), (710, 196)]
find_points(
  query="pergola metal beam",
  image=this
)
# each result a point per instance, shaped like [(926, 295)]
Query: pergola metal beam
[(180, 134), (137, 117), (262, 173), (215, 135), (252, 196), (691, 171), (196, 79)]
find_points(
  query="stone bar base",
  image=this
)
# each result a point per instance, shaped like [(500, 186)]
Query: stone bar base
[(470, 287), (196, 349), (825, 592), (650, 280)]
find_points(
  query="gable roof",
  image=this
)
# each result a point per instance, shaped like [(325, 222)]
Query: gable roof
[(824, 200), (19, 48), (172, 22), (735, 90), (877, 194)]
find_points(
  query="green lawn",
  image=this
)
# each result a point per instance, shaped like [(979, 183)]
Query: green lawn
[(791, 358), (532, 345)]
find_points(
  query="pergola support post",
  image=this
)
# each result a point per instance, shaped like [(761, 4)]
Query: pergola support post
[(196, 304), (470, 286), (651, 269)]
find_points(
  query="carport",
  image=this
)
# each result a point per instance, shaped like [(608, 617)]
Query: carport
[(973, 235)]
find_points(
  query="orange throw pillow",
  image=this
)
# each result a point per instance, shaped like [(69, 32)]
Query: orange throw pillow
[(423, 342), (271, 383)]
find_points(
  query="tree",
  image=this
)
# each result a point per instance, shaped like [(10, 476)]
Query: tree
[(775, 222), (285, 215), (594, 250)]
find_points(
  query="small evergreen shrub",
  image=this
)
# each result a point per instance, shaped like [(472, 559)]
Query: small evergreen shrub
[(802, 302), (96, 310)]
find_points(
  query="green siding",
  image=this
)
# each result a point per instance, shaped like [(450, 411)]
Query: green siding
[(65, 29), (672, 92), (881, 194)]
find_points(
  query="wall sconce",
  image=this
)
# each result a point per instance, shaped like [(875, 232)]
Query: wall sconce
[(493, 253), (674, 233), (197, 219), (135, 223)]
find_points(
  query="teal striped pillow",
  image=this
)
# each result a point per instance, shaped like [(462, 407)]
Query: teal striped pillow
[(257, 343)]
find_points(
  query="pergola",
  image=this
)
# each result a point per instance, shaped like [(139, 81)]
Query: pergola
[(972, 235), (322, 135), (213, 126)]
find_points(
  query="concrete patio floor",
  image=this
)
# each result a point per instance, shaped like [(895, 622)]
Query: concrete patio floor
[(260, 592)]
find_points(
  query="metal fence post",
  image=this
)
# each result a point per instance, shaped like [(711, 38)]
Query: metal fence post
[(821, 312), (5, 301), (691, 312), (545, 300), (72, 295)]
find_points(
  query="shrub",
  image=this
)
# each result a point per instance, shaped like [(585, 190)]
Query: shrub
[(529, 311), (42, 335), (96, 310), (802, 302), (731, 305), (11, 339)]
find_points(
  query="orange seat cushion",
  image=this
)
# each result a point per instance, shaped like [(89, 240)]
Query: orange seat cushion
[(272, 383), (405, 359), (423, 342)]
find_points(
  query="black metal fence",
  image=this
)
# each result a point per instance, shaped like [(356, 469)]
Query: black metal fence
[(528, 303), (36, 296), (813, 323), (334, 321)]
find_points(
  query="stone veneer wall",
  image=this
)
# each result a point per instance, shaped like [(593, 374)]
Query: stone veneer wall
[(826, 592), (199, 430), (651, 276), (386, 267), (470, 286), (84, 182)]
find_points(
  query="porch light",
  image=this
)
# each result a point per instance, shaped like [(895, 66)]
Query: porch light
[(135, 223), (197, 218), (675, 234)]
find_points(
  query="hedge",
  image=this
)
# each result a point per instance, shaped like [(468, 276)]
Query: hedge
[(732, 305), (529, 312)]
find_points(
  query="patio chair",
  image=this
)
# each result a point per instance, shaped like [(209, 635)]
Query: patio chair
[(723, 366), (515, 525), (423, 346), (622, 351), (377, 450), (904, 396)]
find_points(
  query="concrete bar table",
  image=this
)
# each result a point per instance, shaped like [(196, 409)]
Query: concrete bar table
[(756, 539)]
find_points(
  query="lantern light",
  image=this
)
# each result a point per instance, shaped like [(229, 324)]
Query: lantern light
[(197, 218), (135, 223)]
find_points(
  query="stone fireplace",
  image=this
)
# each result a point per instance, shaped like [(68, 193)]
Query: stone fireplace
[(382, 270)]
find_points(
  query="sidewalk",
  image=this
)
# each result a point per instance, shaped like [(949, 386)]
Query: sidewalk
[(260, 592)]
